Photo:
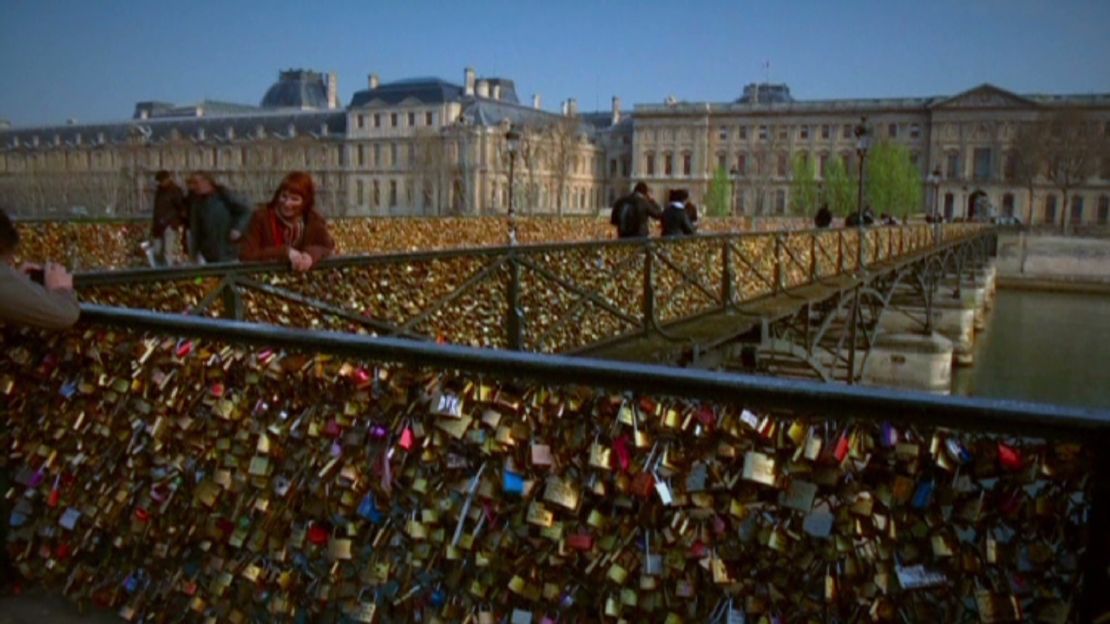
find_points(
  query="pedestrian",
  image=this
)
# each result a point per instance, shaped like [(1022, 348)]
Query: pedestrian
[(39, 296), (631, 212), (289, 227), (216, 220), (675, 220), (823, 218), (168, 221), (692, 213)]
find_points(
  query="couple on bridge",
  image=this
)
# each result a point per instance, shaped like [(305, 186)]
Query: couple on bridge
[(631, 213)]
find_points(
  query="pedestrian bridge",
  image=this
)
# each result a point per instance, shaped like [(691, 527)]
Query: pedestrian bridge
[(791, 295)]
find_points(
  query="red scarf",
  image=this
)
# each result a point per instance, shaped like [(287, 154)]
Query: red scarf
[(285, 232)]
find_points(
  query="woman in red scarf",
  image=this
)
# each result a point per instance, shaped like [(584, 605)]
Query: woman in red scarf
[(289, 227)]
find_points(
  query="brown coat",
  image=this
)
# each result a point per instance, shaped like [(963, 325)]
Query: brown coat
[(260, 243)]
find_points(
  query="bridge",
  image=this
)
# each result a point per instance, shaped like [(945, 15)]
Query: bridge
[(240, 443), (809, 302)]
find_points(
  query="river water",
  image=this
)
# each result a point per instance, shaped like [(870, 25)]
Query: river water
[(1045, 347)]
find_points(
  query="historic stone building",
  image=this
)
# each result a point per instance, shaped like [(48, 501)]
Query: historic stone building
[(967, 138), (429, 146)]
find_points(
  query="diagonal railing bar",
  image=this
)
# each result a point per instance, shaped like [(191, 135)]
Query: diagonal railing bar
[(328, 308), (798, 263), (203, 305), (769, 282), (476, 278), (715, 297), (615, 274), (578, 290)]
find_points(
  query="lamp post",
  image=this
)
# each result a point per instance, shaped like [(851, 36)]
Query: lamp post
[(934, 183), (512, 139), (734, 174), (863, 143)]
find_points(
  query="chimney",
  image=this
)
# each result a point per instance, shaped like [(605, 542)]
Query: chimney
[(144, 114), (572, 107), (564, 107), (333, 91), (616, 110), (536, 102), (483, 89), (374, 81), (496, 92), (468, 76)]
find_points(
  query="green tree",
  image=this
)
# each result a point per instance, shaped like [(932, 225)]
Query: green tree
[(719, 198), (893, 182), (840, 188), (805, 194)]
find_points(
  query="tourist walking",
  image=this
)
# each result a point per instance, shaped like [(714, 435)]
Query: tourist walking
[(216, 220), (631, 212), (823, 218), (168, 222), (675, 220), (289, 227)]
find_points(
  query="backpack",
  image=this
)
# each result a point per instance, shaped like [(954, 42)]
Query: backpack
[(617, 212)]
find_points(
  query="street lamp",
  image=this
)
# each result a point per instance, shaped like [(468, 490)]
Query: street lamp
[(863, 143), (734, 173), (512, 139), (934, 182)]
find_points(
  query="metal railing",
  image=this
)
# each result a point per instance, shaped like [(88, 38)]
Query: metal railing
[(548, 298), (175, 464)]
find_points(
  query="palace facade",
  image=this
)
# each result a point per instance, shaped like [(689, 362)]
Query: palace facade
[(426, 146)]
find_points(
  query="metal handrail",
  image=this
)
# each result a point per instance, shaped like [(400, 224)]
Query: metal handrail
[(878, 404)]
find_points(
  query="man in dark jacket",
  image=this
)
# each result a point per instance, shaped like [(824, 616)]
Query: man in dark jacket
[(631, 213), (169, 220), (217, 220), (676, 221)]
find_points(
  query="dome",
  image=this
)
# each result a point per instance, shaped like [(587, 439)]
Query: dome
[(297, 88)]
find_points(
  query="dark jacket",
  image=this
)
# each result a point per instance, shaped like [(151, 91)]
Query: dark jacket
[(211, 219), (633, 211), (169, 209), (261, 242), (24, 302), (676, 222)]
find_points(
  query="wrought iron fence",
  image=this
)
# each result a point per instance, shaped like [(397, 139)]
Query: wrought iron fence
[(549, 298), (199, 468)]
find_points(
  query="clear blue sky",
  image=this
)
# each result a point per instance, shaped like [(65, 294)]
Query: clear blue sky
[(93, 60)]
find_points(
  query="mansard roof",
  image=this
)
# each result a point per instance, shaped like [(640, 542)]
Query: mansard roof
[(225, 128), (297, 88), (425, 90)]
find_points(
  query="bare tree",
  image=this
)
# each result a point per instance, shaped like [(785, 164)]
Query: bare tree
[(561, 137), (1027, 160), (1072, 149)]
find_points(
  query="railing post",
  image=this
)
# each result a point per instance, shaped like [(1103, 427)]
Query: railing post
[(513, 325), (649, 290), (726, 275), (233, 300), (779, 273), (839, 251), (812, 258)]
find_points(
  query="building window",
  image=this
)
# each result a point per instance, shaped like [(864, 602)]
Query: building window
[(781, 166), (668, 164), (612, 167), (686, 164), (949, 206), (361, 121), (914, 157), (377, 155), (825, 131), (722, 160), (846, 131), (412, 120), (1009, 170), (1050, 209), (393, 120), (377, 120), (780, 201), (429, 118), (360, 193), (649, 164), (822, 163), (915, 131), (1106, 168), (392, 193), (743, 130), (626, 165), (784, 132), (763, 133), (1076, 209), (361, 156), (393, 160), (741, 164), (722, 134), (892, 130), (1103, 210), (377, 194), (1008, 204), (952, 166), (803, 132), (982, 157)]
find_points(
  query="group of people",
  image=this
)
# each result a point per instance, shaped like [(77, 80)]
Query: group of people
[(631, 214), (210, 224)]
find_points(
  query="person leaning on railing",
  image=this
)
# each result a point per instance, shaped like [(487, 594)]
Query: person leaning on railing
[(289, 227), (33, 295)]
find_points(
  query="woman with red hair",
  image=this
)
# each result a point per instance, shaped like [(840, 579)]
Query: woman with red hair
[(289, 227)]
